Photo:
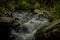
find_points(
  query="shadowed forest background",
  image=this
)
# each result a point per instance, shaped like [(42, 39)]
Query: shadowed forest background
[(30, 19), (53, 6)]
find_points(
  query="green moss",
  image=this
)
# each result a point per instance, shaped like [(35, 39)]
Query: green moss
[(55, 11), (52, 5)]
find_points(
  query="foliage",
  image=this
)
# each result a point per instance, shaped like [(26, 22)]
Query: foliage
[(55, 11), (12, 5)]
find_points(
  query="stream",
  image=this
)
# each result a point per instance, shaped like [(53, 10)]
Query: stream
[(29, 24)]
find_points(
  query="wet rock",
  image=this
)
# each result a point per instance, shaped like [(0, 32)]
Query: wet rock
[(6, 19), (6, 26), (22, 30), (51, 32), (25, 30), (37, 11), (43, 13)]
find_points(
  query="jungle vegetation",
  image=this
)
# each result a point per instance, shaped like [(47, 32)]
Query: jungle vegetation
[(53, 6)]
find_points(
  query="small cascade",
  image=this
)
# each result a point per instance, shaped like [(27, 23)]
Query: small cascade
[(29, 23)]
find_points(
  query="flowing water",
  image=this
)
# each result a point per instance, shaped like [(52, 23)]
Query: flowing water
[(29, 23)]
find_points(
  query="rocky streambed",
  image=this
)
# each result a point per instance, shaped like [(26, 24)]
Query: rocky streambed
[(29, 22), (25, 24), (50, 32)]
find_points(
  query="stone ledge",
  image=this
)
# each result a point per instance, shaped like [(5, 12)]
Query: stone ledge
[(6, 19)]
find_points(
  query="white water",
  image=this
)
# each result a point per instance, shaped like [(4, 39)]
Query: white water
[(30, 23)]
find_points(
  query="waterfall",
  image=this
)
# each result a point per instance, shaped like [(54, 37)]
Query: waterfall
[(29, 23)]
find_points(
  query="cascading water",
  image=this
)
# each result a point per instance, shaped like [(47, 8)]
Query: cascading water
[(29, 23)]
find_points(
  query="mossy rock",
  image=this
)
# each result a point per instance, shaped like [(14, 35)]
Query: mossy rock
[(6, 19), (51, 32)]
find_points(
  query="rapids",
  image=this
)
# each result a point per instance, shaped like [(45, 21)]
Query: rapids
[(29, 23)]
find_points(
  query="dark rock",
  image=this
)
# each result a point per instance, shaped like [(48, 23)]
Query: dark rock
[(25, 30), (22, 30), (52, 33), (5, 30)]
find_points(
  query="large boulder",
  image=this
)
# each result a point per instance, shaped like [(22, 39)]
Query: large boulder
[(5, 25), (51, 32), (6, 19)]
